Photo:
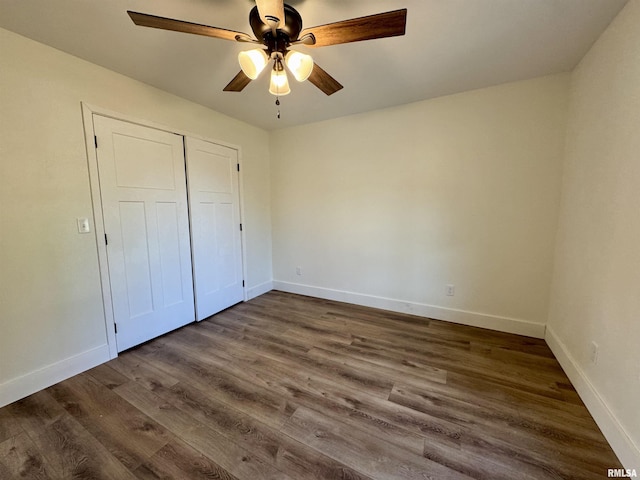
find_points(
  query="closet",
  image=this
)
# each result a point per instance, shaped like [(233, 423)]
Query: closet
[(170, 206)]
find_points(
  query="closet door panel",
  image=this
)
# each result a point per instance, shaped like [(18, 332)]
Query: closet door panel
[(145, 214), (214, 205)]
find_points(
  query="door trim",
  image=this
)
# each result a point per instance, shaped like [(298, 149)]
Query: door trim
[(98, 221)]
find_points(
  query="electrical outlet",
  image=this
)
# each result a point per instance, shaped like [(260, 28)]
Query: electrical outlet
[(298, 270), (451, 290), (593, 353)]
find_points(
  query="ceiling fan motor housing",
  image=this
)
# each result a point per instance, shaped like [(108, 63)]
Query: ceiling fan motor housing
[(286, 33)]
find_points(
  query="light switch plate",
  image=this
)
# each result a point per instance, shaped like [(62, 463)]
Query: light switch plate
[(83, 225)]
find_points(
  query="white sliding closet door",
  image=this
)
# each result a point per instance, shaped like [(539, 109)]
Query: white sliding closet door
[(144, 201), (214, 204)]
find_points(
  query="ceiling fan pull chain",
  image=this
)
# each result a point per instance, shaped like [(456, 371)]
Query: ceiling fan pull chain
[(278, 107)]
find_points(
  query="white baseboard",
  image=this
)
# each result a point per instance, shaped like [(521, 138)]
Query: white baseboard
[(474, 319), (25, 385), (253, 292), (628, 453)]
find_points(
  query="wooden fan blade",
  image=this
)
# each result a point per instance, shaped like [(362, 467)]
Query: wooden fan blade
[(238, 83), (381, 25), (146, 20), (324, 81)]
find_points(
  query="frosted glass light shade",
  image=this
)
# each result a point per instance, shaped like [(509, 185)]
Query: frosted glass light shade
[(279, 83), (252, 62), (299, 64)]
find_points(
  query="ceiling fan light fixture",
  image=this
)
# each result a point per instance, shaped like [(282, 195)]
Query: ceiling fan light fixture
[(279, 85), (252, 62), (285, 25), (299, 64)]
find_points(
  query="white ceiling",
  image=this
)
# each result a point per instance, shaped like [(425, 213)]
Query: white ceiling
[(450, 46)]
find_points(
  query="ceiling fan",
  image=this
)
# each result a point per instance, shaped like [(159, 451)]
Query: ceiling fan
[(277, 27)]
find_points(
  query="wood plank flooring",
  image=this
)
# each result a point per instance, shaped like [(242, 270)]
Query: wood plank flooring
[(292, 387)]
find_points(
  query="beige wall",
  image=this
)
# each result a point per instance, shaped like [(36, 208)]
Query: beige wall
[(388, 207), (51, 310), (596, 283)]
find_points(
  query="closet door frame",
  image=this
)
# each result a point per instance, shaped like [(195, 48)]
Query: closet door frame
[(88, 111)]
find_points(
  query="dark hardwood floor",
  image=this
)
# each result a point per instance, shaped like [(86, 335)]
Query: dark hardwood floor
[(292, 387)]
